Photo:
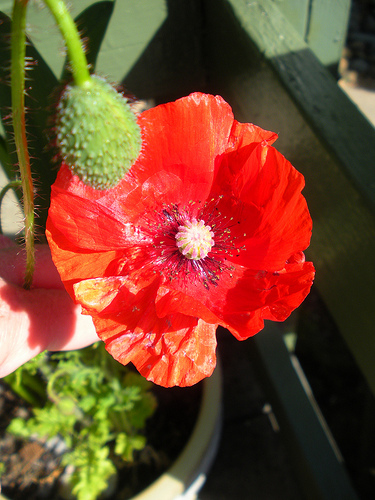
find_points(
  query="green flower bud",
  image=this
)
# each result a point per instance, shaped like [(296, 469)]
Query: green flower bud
[(97, 133)]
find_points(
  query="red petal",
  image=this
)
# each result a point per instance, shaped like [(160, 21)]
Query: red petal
[(244, 138), (184, 138), (97, 295), (87, 224), (245, 134), (183, 356), (274, 218), (174, 350), (74, 265), (276, 296), (172, 301), (242, 298), (69, 182)]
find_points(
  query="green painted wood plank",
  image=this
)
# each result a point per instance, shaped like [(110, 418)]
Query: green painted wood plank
[(132, 28), (297, 12), (327, 28), (321, 474), (322, 24), (172, 63)]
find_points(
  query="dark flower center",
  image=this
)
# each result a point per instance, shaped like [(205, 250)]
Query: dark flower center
[(191, 244)]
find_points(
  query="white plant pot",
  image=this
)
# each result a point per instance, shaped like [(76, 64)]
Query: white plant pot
[(186, 476)]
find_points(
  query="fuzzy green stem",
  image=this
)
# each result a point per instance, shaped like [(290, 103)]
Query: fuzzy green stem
[(18, 52), (76, 54)]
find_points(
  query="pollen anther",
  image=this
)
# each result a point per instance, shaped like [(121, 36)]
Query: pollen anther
[(194, 239)]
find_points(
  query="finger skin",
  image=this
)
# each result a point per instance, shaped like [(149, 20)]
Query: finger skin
[(44, 317)]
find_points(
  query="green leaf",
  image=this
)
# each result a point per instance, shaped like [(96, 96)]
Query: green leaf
[(18, 427), (92, 470), (126, 445), (87, 403), (49, 421), (66, 406)]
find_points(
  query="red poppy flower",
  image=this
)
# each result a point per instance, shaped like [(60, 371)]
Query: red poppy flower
[(207, 228)]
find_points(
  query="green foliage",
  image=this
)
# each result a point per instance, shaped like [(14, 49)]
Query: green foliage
[(96, 405), (92, 470), (125, 445)]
